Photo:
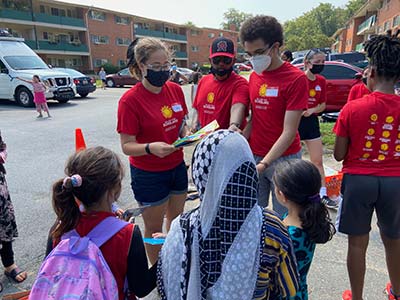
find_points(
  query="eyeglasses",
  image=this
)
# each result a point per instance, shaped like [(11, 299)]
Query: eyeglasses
[(217, 59), (158, 67), (261, 51)]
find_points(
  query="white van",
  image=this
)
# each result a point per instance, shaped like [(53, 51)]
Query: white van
[(18, 60)]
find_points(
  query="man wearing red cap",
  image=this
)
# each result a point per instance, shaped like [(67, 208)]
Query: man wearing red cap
[(222, 95)]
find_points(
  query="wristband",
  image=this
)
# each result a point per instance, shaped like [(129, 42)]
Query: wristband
[(147, 149)]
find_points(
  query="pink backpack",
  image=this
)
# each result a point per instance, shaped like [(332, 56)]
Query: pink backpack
[(76, 268)]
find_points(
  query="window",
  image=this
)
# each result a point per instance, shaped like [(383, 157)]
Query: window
[(122, 63), (221, 34), (121, 20), (97, 39), (194, 32), (337, 72), (124, 72), (54, 11), (98, 62), (42, 9), (195, 49), (122, 41), (396, 21), (386, 26), (97, 15), (211, 35)]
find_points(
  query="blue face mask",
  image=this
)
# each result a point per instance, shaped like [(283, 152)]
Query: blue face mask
[(157, 78)]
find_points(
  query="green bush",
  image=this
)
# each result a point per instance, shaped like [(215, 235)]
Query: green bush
[(110, 68)]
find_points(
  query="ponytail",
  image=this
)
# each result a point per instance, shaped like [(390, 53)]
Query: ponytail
[(300, 182), (64, 205), (316, 222)]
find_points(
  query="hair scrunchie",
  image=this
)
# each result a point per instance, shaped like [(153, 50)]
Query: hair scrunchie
[(76, 181)]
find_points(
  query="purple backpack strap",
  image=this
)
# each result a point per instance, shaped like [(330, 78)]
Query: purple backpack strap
[(105, 230)]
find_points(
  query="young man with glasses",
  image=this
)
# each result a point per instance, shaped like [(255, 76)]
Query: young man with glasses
[(222, 95), (278, 96)]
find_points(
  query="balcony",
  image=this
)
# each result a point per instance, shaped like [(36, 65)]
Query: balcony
[(180, 54), (160, 34), (15, 14), (61, 46), (46, 18), (360, 47), (368, 26)]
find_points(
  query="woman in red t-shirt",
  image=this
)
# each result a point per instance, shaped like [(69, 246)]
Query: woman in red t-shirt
[(309, 124), (83, 199), (359, 90), (151, 116)]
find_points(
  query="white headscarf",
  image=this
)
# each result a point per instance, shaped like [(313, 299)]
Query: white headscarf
[(213, 251)]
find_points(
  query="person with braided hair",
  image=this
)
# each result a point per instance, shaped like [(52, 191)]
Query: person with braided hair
[(368, 142)]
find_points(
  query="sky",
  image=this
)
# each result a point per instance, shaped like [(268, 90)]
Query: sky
[(207, 13)]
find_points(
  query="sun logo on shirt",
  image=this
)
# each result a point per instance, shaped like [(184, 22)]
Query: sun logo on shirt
[(166, 111), (389, 119), (210, 97), (381, 157), (263, 90), (312, 93), (374, 117), (398, 148), (386, 134)]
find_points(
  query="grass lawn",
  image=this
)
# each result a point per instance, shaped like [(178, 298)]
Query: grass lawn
[(328, 137)]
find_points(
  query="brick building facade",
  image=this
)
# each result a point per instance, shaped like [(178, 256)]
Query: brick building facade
[(374, 17)]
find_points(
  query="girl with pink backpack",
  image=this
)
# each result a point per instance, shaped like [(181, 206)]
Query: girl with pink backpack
[(94, 254)]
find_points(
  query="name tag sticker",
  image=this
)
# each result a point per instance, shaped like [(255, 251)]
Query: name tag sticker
[(177, 107), (272, 92)]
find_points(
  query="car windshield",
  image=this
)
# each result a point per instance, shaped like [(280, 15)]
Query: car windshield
[(25, 62), (71, 72)]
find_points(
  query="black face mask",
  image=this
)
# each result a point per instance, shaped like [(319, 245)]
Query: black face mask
[(157, 78), (316, 69), (364, 80), (221, 72)]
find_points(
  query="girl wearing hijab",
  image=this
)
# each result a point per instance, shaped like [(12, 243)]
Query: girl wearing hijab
[(228, 247)]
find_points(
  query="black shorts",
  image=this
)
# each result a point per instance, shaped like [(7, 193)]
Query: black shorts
[(309, 128), (364, 194)]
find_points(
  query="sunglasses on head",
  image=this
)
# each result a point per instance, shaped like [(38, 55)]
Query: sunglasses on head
[(217, 59)]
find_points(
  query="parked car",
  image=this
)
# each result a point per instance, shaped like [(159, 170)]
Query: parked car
[(353, 58), (120, 79), (18, 60), (241, 67), (187, 73), (340, 77), (84, 84)]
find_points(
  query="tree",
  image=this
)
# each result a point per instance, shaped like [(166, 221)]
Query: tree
[(315, 28), (234, 17), (189, 24)]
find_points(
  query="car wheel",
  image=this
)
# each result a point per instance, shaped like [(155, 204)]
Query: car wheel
[(62, 101), (83, 95), (110, 83), (24, 97)]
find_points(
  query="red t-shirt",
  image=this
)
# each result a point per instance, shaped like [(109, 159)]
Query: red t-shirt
[(316, 91), (115, 250), (373, 128), (153, 118), (357, 91), (215, 98), (271, 95)]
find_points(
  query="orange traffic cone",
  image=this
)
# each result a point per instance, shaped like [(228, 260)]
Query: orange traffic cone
[(79, 140)]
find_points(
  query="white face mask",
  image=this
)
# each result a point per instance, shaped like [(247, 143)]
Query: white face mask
[(260, 63)]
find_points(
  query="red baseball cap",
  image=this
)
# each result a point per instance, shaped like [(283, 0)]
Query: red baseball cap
[(222, 47)]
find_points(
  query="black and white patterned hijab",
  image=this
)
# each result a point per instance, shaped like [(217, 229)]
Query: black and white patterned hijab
[(213, 252)]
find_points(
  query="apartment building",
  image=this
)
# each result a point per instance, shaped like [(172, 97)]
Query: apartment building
[(374, 17), (56, 31), (86, 37), (200, 39), (110, 34), (173, 35)]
